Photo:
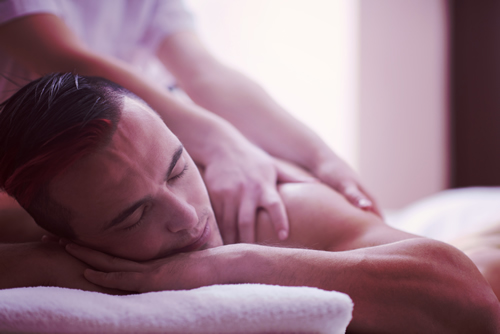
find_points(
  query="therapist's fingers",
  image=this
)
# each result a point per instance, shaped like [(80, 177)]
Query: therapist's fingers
[(224, 197), (357, 197), (49, 238), (218, 208), (246, 218), (374, 208), (227, 221), (101, 261), (271, 202)]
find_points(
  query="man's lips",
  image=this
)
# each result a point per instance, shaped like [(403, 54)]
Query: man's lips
[(203, 239)]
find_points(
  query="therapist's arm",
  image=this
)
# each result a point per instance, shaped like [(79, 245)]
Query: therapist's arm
[(241, 101)]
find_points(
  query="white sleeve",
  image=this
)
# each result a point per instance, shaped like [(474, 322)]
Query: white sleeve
[(11, 9), (170, 16)]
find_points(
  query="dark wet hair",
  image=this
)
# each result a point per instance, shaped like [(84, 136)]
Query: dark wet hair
[(45, 127)]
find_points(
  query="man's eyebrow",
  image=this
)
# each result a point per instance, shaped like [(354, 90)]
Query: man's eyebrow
[(126, 213), (175, 158)]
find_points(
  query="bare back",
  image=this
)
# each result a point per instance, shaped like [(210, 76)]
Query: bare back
[(322, 219)]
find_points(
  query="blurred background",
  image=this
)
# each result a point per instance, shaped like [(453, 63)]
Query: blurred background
[(403, 90)]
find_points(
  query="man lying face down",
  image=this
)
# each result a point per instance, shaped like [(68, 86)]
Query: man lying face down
[(95, 165)]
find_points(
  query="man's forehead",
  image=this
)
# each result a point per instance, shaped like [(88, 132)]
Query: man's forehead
[(93, 185), (136, 107), (139, 148), (138, 119)]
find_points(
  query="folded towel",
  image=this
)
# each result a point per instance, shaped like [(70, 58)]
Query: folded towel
[(242, 308)]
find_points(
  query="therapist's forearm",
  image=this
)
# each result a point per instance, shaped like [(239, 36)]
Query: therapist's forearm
[(42, 43), (203, 134), (249, 108)]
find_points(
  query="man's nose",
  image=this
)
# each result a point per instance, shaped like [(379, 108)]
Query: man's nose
[(180, 215)]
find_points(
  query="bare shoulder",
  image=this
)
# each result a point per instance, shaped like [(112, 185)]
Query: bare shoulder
[(322, 219)]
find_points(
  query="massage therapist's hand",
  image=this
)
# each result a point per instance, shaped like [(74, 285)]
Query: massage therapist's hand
[(176, 272), (239, 185), (338, 175)]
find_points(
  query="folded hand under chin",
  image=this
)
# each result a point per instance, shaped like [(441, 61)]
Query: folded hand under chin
[(45, 264), (177, 272)]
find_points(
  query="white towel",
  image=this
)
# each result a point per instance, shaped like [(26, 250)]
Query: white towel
[(242, 308)]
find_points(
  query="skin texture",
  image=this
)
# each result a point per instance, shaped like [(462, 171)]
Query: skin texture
[(239, 173), (397, 281)]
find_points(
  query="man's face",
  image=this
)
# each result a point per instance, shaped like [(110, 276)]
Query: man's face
[(142, 196)]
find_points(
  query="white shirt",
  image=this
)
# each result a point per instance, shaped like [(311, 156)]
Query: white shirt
[(130, 30)]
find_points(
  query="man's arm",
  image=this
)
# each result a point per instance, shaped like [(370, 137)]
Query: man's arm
[(241, 101), (43, 264), (27, 261), (415, 285)]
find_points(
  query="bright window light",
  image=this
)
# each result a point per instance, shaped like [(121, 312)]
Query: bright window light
[(303, 52)]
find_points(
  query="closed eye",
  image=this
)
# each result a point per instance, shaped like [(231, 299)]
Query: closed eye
[(139, 222), (181, 174), (131, 227)]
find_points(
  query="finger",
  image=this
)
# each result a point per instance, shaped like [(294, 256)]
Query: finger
[(219, 216), (64, 242), (87, 285), (218, 208), (102, 261), (361, 198), (225, 213), (109, 291), (272, 203), (357, 198), (227, 224), (246, 218), (126, 281), (213, 194), (49, 238), (375, 208)]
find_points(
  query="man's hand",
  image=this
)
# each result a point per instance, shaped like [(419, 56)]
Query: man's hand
[(43, 264), (177, 272), (241, 184), (63, 270)]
